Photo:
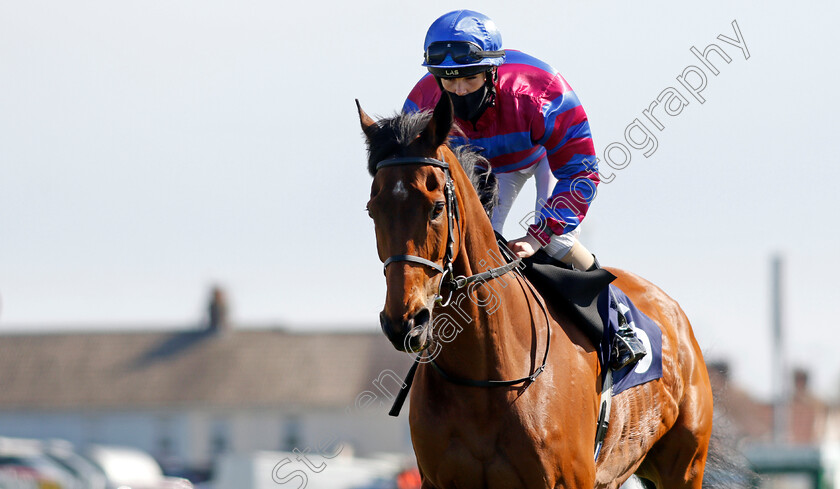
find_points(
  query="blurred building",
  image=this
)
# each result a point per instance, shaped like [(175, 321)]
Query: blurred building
[(752, 420), (806, 454), (187, 397)]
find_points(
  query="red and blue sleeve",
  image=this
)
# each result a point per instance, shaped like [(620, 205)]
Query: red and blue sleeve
[(424, 95), (562, 128)]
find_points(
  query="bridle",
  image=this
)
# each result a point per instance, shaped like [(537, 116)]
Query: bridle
[(453, 217), (454, 283)]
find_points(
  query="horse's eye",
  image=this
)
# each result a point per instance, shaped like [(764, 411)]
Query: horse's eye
[(438, 209)]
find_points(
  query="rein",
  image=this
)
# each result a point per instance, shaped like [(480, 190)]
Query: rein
[(454, 283), (506, 383)]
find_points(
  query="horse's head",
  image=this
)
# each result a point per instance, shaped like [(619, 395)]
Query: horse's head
[(413, 205)]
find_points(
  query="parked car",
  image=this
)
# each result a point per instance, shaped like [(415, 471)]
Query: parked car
[(130, 468), (24, 464), (63, 453)]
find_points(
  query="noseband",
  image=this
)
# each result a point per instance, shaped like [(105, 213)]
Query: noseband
[(453, 217)]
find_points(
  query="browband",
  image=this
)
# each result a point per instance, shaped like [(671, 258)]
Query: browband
[(411, 160)]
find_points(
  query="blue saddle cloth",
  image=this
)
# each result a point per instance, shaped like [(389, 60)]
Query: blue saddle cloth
[(648, 368)]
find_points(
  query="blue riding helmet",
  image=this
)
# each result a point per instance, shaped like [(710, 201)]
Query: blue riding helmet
[(462, 43)]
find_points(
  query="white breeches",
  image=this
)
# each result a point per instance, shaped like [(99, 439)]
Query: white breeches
[(509, 186)]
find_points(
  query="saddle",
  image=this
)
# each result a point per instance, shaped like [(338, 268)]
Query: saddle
[(574, 292)]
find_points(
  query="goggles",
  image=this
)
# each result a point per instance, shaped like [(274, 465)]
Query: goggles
[(461, 52)]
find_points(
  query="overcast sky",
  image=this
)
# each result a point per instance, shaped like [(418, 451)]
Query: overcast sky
[(151, 149)]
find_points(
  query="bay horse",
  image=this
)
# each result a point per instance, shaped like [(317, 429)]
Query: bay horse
[(538, 431)]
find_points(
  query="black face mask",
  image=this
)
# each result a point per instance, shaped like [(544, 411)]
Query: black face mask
[(470, 106)]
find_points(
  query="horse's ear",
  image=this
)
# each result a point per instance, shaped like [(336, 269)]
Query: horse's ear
[(368, 124), (440, 124)]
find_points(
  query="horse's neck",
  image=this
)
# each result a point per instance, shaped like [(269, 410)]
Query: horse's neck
[(494, 317)]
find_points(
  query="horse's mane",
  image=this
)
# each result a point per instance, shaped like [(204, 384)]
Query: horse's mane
[(393, 135)]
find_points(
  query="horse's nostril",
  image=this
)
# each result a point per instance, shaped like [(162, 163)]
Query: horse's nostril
[(390, 327), (418, 323), (422, 318), (409, 334)]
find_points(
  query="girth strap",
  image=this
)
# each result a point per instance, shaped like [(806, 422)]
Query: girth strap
[(604, 412)]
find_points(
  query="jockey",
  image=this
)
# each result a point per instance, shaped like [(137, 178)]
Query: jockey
[(526, 120)]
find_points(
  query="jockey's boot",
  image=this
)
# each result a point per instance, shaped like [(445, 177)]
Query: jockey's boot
[(626, 346)]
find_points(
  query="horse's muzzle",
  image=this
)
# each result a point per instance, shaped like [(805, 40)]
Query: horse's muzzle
[(412, 334)]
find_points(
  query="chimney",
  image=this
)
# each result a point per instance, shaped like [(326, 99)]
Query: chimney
[(217, 311), (800, 382), (780, 369)]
